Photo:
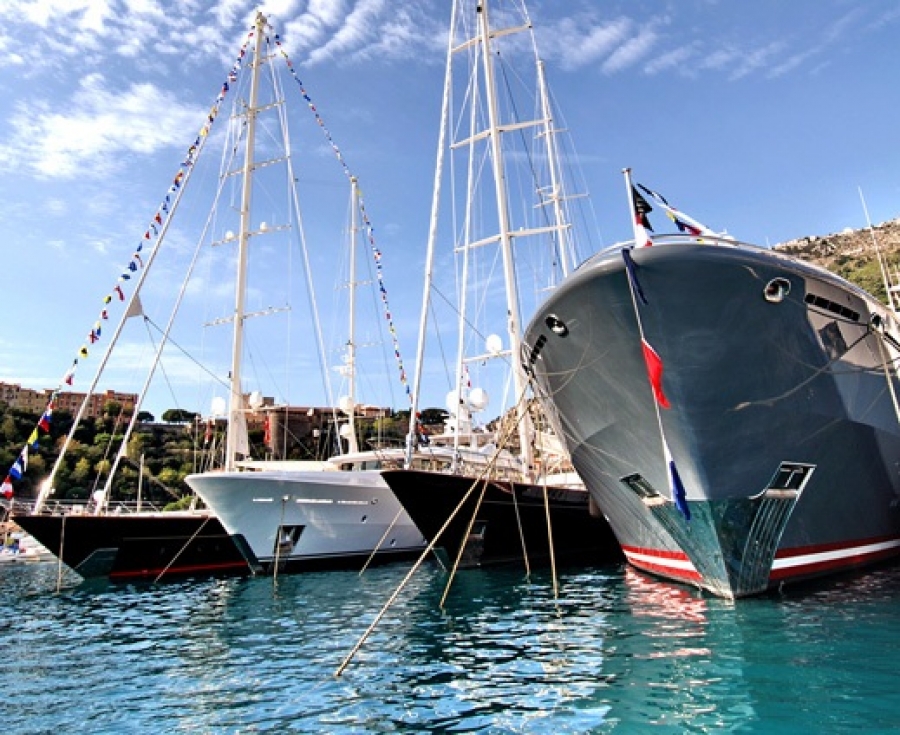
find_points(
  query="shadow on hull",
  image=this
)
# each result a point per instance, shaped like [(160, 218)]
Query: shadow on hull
[(511, 521)]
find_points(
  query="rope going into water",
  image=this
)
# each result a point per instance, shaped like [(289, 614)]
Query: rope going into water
[(428, 549), (381, 541)]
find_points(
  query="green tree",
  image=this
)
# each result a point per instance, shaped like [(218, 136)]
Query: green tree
[(432, 416), (171, 476), (82, 471), (8, 431), (178, 416)]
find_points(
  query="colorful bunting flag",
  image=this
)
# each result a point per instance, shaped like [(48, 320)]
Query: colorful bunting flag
[(44, 423), (20, 465), (370, 230), (641, 209)]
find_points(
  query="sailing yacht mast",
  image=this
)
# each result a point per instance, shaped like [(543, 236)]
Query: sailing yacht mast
[(350, 406), (566, 256), (236, 419), (480, 43), (512, 298)]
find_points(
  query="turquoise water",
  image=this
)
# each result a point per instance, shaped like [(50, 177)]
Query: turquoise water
[(616, 652)]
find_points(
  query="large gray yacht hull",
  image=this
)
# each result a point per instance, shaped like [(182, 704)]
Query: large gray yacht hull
[(782, 422)]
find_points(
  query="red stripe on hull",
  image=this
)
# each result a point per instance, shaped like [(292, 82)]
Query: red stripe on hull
[(847, 563), (681, 575), (660, 553), (796, 572), (192, 569), (836, 546), (661, 570)]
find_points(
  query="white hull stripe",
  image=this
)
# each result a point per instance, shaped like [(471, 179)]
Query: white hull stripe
[(660, 561), (835, 555), (790, 562)]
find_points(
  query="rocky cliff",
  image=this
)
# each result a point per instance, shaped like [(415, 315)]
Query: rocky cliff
[(852, 253)]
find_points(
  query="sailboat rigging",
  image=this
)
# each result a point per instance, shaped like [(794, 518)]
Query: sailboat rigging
[(108, 547), (484, 140)]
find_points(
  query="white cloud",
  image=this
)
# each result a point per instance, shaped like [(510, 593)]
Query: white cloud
[(630, 52), (674, 59), (89, 133), (406, 34), (574, 47), (356, 29), (310, 28), (719, 59), (56, 206), (759, 59)]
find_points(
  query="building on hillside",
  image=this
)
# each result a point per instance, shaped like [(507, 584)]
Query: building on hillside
[(288, 427), (35, 401)]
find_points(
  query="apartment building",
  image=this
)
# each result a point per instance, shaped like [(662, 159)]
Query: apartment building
[(35, 401)]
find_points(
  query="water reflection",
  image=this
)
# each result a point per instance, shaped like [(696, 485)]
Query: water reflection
[(616, 652)]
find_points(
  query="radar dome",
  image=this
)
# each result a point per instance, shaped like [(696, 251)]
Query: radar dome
[(478, 399)]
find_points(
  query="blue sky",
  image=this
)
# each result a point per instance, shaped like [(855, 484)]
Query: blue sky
[(763, 119)]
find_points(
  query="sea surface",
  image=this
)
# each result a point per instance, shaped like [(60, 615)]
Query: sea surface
[(612, 652)]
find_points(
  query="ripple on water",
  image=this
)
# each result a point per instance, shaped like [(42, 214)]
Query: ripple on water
[(617, 652)]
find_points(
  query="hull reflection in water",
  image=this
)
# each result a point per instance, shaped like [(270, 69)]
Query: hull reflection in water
[(612, 652)]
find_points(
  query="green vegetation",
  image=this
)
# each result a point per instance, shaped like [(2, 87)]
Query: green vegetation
[(170, 453), (864, 273), (170, 450)]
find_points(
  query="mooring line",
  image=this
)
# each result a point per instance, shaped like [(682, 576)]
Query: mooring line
[(381, 541), (428, 549), (59, 563), (181, 550), (462, 547)]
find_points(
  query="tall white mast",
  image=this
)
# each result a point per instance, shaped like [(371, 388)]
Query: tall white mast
[(236, 419), (432, 239), (566, 257), (351, 339), (512, 297)]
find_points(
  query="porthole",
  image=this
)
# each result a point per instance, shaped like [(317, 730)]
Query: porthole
[(556, 325), (364, 519), (776, 290)]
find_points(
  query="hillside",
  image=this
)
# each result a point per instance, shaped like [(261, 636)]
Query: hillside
[(852, 254)]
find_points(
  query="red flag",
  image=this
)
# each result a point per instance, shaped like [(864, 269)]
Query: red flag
[(7, 488), (44, 423), (654, 372)]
